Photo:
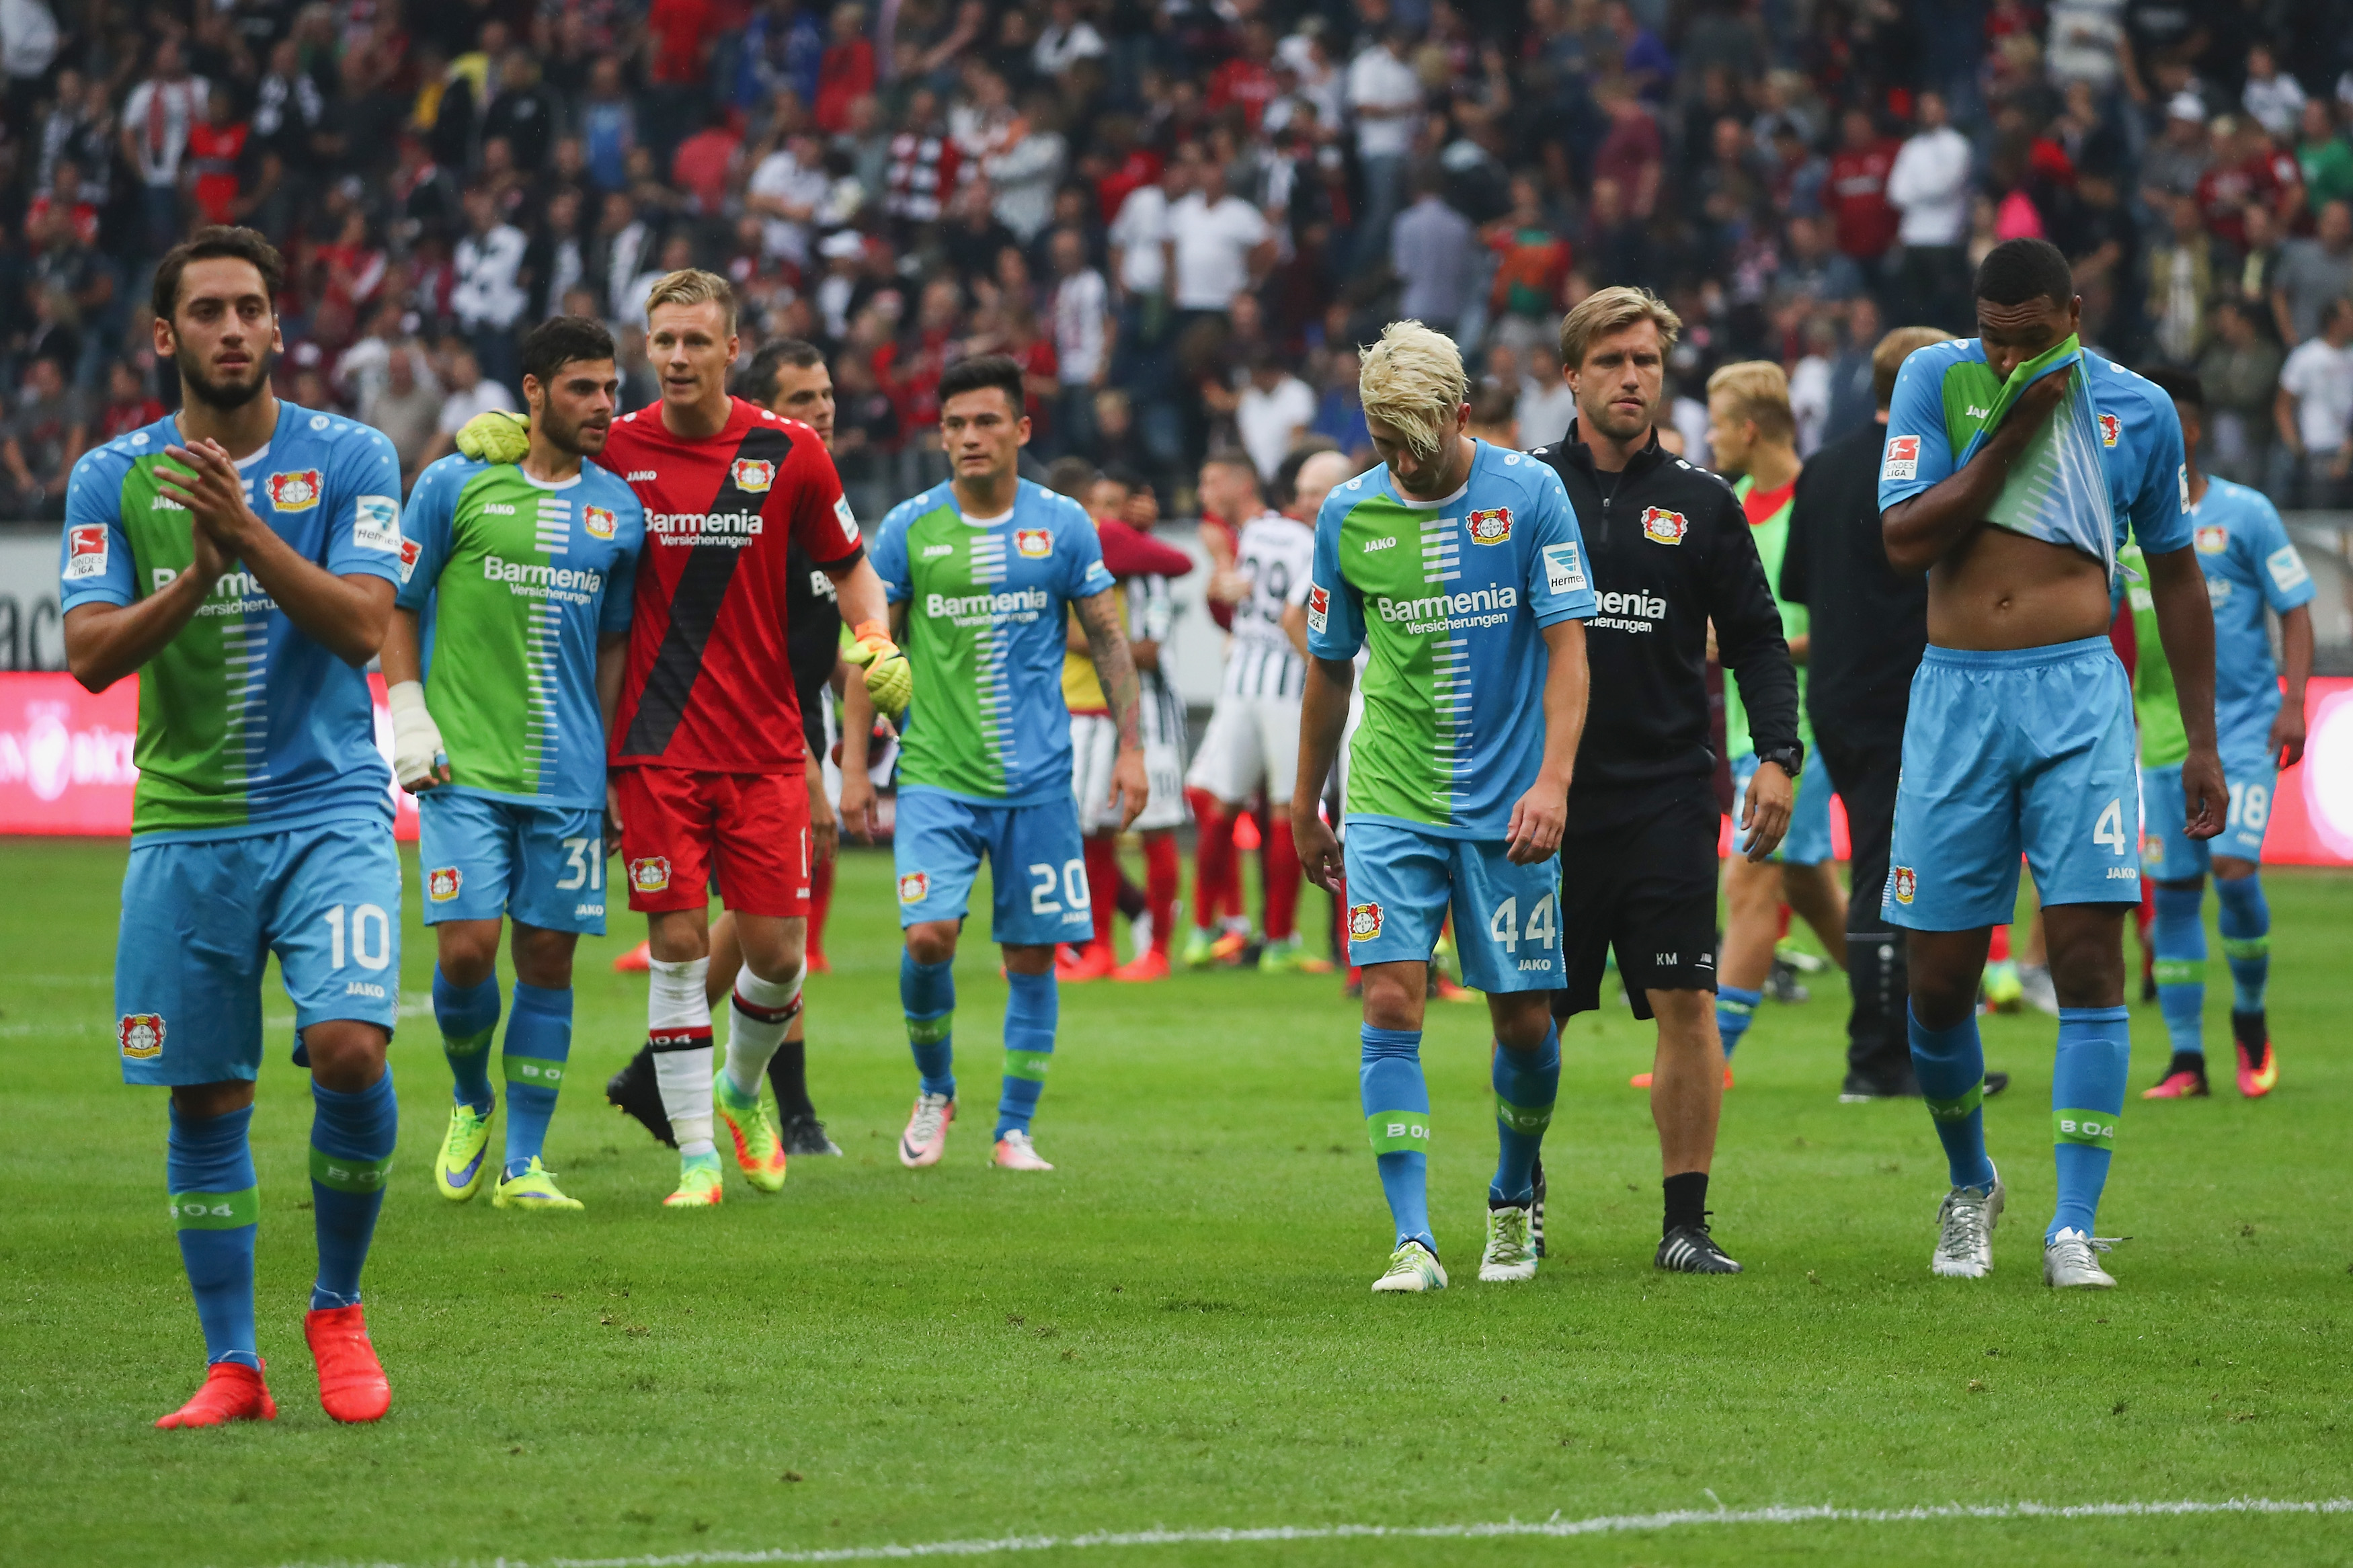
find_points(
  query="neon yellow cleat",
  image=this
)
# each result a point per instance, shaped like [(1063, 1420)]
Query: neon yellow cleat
[(698, 1184), (759, 1148), (535, 1190), (460, 1168)]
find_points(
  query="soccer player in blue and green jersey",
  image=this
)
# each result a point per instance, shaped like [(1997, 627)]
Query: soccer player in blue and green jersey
[(2017, 465), (982, 574), (1460, 566), (241, 557), (521, 572), (2249, 566)]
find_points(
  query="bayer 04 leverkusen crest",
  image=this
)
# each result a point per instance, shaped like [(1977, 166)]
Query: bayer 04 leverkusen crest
[(1363, 922), (753, 474), (297, 492), (1489, 526), (1663, 527)]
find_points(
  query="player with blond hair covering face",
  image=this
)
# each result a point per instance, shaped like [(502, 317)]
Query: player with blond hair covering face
[(1460, 566)]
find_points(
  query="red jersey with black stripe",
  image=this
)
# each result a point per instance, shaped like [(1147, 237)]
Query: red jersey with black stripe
[(708, 683)]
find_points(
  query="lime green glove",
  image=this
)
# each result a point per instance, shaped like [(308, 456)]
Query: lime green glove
[(890, 679), (495, 437)]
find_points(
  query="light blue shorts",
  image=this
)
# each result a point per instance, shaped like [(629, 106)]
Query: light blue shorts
[(2168, 854), (201, 920), (483, 858), (1401, 881), (1036, 865), (2025, 749), (1807, 842)]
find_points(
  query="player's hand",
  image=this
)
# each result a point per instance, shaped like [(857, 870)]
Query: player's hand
[(1319, 850), (1131, 789), (2204, 794), (418, 758), (825, 827), (1538, 818), (2287, 737), (612, 820), (1765, 819), (206, 482), (495, 436), (858, 805), (2034, 407)]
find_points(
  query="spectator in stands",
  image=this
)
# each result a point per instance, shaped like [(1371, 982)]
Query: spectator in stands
[(406, 406), (2313, 273), (2273, 99), (1928, 183), (2314, 411), (1384, 98), (45, 433), (1432, 248), (2322, 156), (1865, 220), (470, 392), (489, 298), (2240, 371), (2182, 280), (156, 120), (1276, 409)]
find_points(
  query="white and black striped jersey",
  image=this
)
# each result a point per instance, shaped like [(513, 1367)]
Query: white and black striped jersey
[(1151, 615), (1275, 555)]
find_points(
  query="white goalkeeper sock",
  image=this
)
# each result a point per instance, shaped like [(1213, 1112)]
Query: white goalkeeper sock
[(678, 1026), (758, 1014)]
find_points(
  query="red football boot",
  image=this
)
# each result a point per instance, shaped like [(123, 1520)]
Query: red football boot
[(232, 1392), (636, 961), (1150, 965), (351, 1386), (1095, 961)]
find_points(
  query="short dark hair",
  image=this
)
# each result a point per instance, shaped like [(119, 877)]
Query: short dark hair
[(211, 243), (1285, 488), (1072, 477), (983, 370), (2019, 270), (2182, 385), (759, 379), (559, 341)]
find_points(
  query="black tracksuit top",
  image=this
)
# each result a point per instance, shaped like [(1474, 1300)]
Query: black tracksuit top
[(1669, 550)]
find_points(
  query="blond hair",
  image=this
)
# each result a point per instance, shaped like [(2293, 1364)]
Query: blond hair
[(692, 286), (1413, 380), (1892, 350), (1757, 391), (1613, 310)]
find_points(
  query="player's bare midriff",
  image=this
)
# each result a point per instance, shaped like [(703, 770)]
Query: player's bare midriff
[(1997, 590)]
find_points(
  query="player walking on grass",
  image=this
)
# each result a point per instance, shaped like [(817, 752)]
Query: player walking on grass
[(1460, 564), (241, 557), (2249, 565), (523, 571), (707, 749), (1672, 557), (2015, 463), (981, 572)]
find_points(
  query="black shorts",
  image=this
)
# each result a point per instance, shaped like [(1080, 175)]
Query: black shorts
[(1638, 872)]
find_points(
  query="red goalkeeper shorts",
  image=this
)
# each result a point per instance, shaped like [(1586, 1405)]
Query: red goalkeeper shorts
[(681, 831)]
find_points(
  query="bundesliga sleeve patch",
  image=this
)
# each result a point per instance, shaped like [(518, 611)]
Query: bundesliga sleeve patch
[(141, 1036), (1903, 461), (1564, 572), (2287, 568), (85, 552), (409, 550), (848, 519), (1492, 526), (376, 523), (1319, 608)]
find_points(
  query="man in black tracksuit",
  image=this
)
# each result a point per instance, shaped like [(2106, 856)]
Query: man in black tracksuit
[(1670, 552)]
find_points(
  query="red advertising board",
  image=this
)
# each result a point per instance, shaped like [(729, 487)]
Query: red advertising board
[(66, 762)]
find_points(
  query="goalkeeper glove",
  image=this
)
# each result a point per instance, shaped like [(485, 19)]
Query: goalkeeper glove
[(890, 679), (495, 437), (417, 755)]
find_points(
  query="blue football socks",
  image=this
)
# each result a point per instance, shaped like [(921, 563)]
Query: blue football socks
[(351, 1136), (2178, 938), (2087, 1093), (539, 1042), (1734, 1010), (2246, 923), (927, 996), (1396, 1117), (1950, 1065), (1032, 1012), (216, 1205), (1527, 1083), (469, 1016)]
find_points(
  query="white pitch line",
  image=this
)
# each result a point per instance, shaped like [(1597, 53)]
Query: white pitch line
[(1602, 1524)]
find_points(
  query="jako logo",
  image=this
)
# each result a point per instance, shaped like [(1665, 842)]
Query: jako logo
[(1373, 544)]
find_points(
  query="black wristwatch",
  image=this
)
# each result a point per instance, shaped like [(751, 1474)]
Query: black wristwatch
[(1791, 757)]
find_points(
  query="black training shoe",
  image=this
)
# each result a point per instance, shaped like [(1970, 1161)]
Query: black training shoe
[(805, 1134), (1859, 1089), (1995, 1082), (1535, 1211), (1689, 1249), (637, 1093), (1782, 984)]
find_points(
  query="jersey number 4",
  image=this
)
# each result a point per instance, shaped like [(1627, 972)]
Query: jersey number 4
[(1504, 924), (2109, 831)]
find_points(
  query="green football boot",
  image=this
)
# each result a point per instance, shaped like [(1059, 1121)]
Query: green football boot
[(463, 1164), (759, 1148), (535, 1190), (1200, 948)]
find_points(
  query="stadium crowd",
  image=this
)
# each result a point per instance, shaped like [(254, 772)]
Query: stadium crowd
[(1180, 217)]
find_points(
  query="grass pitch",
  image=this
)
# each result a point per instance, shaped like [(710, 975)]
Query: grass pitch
[(1173, 1330)]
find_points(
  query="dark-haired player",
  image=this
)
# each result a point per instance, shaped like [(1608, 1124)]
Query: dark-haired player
[(503, 659), (982, 574), (241, 556), (2016, 461)]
